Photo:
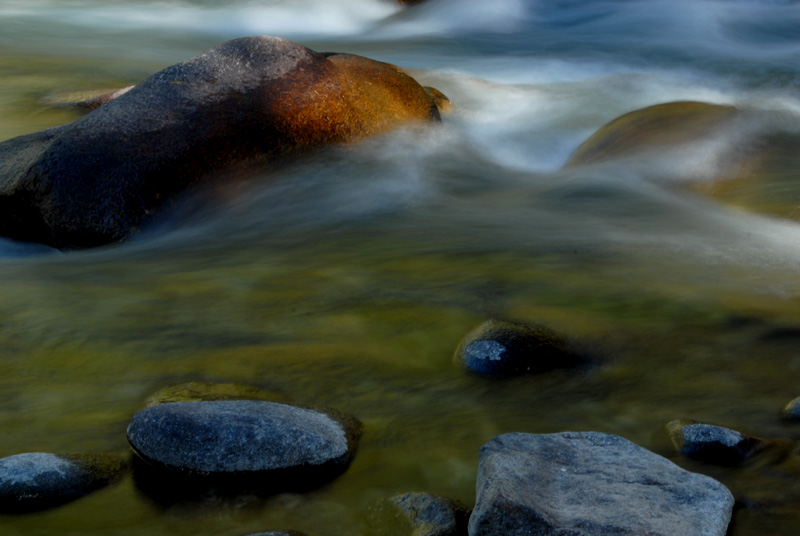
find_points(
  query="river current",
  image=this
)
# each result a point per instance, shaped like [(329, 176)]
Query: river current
[(348, 279)]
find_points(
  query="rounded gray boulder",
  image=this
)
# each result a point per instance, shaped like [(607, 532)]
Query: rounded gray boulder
[(243, 437)]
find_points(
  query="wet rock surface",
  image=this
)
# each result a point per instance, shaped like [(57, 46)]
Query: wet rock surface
[(222, 115), (501, 349), (244, 437), (712, 444), (591, 484), (37, 480), (433, 515)]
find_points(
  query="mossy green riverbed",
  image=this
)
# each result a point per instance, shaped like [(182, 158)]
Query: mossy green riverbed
[(349, 279)]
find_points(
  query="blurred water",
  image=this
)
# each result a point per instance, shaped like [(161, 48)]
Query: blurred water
[(349, 278)]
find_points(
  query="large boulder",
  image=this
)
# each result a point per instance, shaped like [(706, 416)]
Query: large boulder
[(39, 480), (228, 112), (591, 484)]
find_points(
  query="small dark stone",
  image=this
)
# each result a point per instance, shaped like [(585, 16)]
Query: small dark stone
[(37, 480), (244, 438), (433, 515), (591, 484), (501, 349), (710, 443)]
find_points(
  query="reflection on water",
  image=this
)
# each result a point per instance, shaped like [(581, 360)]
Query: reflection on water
[(348, 279)]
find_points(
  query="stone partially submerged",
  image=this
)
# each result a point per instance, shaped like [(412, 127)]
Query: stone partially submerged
[(226, 113), (39, 480), (262, 441), (591, 484)]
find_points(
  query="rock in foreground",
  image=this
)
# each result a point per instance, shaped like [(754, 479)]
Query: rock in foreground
[(501, 349), (227, 113), (244, 438), (591, 484), (37, 480)]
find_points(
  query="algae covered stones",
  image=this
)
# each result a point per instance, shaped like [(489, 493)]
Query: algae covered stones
[(499, 349), (591, 484), (230, 112), (39, 480), (245, 438)]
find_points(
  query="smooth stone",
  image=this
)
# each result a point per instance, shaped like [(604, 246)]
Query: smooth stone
[(38, 480), (591, 484), (244, 437), (500, 349), (710, 443), (433, 515), (652, 128), (197, 391), (232, 112)]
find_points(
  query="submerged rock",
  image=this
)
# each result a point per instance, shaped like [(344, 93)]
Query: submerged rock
[(278, 533), (37, 480), (226, 113), (500, 349), (268, 441), (433, 515), (652, 129), (197, 391), (591, 484), (712, 444)]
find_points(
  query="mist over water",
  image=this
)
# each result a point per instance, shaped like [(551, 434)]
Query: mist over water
[(348, 278)]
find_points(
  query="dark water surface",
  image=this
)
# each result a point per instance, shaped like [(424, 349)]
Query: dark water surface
[(348, 280)]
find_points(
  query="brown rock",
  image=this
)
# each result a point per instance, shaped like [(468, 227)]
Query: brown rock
[(226, 113)]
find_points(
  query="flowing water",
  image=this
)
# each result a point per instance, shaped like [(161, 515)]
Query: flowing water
[(348, 279)]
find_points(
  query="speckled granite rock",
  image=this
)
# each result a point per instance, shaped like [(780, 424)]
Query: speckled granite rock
[(591, 484), (242, 437)]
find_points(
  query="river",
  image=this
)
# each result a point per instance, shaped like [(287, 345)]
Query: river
[(348, 279)]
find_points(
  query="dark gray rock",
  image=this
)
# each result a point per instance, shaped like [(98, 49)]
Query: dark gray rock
[(38, 480), (500, 349), (712, 444), (221, 115), (243, 437), (433, 515), (591, 484)]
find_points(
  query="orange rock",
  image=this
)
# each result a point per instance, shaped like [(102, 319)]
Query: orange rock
[(225, 113)]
